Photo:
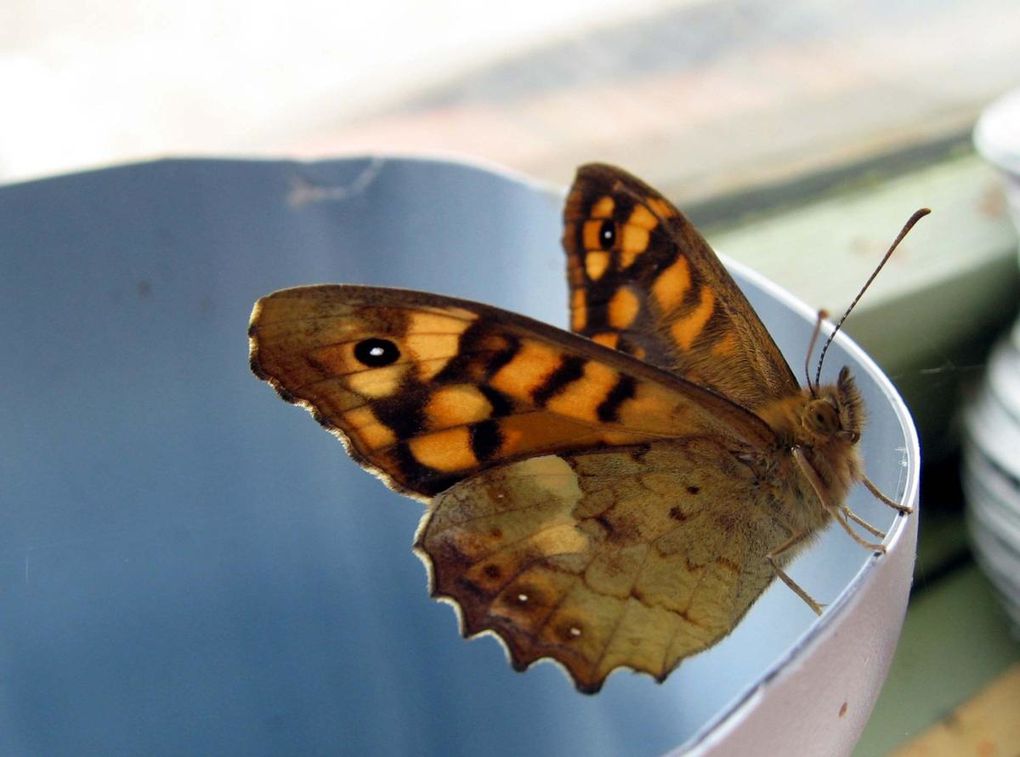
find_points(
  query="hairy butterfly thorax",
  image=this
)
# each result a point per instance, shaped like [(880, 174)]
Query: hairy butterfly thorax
[(615, 496)]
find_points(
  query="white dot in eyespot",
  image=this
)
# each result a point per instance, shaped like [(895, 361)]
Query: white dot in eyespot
[(376, 352), (522, 598)]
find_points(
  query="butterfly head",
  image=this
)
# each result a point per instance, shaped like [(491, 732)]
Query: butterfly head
[(835, 412)]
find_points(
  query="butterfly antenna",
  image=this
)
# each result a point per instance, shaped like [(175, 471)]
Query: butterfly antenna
[(917, 216), (822, 315)]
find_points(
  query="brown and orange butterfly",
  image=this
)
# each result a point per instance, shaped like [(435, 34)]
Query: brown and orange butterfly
[(614, 497)]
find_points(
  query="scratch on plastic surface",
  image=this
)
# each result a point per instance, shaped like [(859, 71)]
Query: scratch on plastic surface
[(304, 191)]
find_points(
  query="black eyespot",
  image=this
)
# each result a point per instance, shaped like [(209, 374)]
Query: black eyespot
[(376, 353), (607, 235)]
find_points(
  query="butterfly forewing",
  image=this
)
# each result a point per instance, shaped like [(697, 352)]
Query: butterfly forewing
[(428, 390), (644, 281)]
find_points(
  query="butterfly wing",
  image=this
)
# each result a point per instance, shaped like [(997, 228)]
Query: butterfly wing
[(428, 390), (562, 556), (644, 281)]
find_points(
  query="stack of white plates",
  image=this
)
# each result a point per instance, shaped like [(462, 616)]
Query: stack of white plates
[(991, 470)]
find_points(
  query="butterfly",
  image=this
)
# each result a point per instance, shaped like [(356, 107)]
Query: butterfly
[(614, 497)]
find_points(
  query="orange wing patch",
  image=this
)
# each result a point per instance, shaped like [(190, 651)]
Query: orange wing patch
[(689, 326), (596, 263), (609, 339), (670, 287), (623, 308), (578, 310)]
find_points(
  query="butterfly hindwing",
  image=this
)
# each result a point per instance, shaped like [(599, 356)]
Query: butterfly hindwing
[(563, 556), (644, 281), (428, 390)]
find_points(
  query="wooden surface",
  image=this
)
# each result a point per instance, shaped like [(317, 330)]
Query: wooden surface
[(987, 725)]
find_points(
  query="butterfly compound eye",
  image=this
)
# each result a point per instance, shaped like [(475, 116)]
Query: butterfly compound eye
[(376, 353), (607, 235), (821, 417)]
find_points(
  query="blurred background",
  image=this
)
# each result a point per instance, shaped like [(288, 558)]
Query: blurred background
[(799, 135)]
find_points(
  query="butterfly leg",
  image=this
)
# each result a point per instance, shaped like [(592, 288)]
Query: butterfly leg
[(837, 512), (863, 523), (876, 492), (840, 514), (790, 543)]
